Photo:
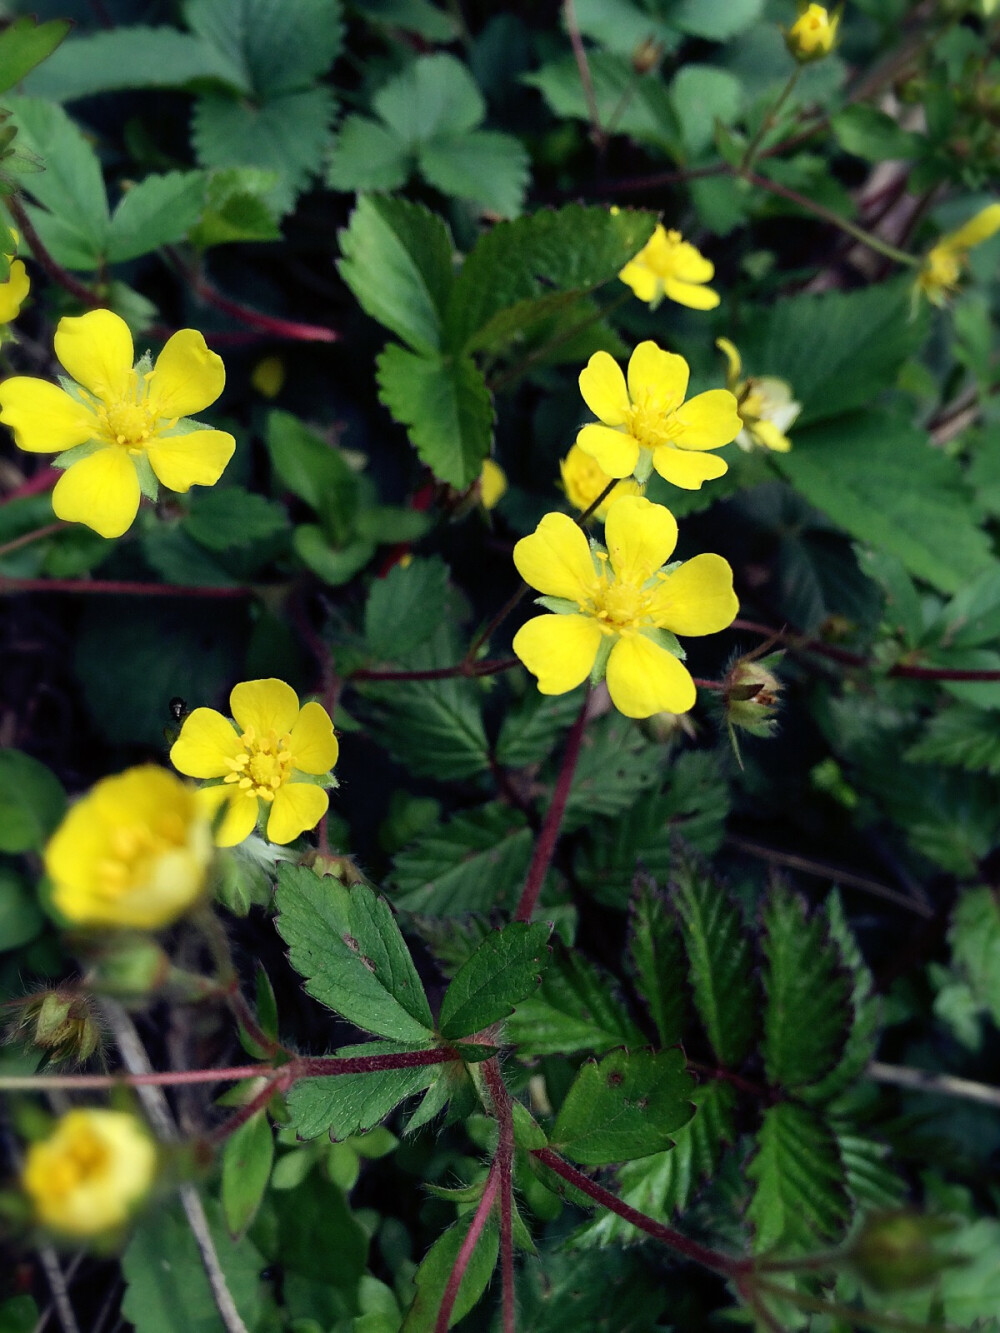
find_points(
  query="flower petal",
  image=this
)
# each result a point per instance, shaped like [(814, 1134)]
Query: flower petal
[(187, 377), (13, 292), (733, 359), (698, 598), (43, 417), (688, 470), (615, 452), (643, 281), (978, 229), (640, 537), (556, 559), (688, 264), (206, 741), (196, 459), (687, 293), (239, 812), (101, 490), (707, 421), (297, 806), (96, 350), (768, 434), (313, 745), (265, 705), (644, 679), (559, 650), (603, 387), (658, 378)]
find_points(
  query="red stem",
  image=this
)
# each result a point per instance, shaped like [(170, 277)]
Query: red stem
[(549, 835), (461, 1263), (306, 1066), (41, 481), (504, 1163), (44, 260), (26, 538), (124, 589), (261, 323), (465, 668)]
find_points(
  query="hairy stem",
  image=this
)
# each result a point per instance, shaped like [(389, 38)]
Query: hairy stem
[(118, 587), (44, 260), (505, 1171), (463, 668), (479, 1220)]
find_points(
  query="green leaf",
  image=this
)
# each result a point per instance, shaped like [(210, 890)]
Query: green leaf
[(863, 1037), (311, 1223), (24, 44), (434, 95), (972, 618), (277, 46), (404, 608), (348, 947), (800, 1196), (236, 208), (433, 727), (616, 763), (128, 57), (491, 169), (32, 802), (396, 259), (975, 946), (334, 565), (613, 1292), (21, 918), (720, 953), (432, 1276), (869, 133), (715, 19), (315, 471), (575, 1009), (419, 16), (657, 961), (625, 1106), (882, 481), (475, 862), (961, 736), (368, 156), (228, 517), (621, 27), (160, 210), (637, 106), (446, 407), (340, 1105), (704, 96), (246, 1168), (532, 729), (666, 1182), (505, 968)]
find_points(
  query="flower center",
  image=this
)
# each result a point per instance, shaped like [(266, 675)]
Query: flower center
[(130, 424), (83, 1157), (649, 422), (133, 850), (265, 764), (664, 257), (942, 268), (619, 607)]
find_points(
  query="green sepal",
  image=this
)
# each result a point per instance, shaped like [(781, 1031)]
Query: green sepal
[(562, 606), (74, 390), (600, 666), (644, 467), (78, 452), (664, 639), (148, 483), (314, 779)]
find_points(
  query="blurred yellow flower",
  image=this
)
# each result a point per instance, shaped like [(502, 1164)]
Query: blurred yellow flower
[(91, 1171), (583, 480), (133, 852), (125, 428), (765, 405), (813, 34), (268, 376), (273, 752), (492, 484), (645, 423), (942, 268), (14, 290), (617, 609), (668, 266)]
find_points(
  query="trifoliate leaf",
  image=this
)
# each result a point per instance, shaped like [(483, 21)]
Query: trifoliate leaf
[(344, 1104), (491, 169), (434, 95), (475, 862), (276, 48), (368, 156), (800, 1196), (404, 608), (575, 1009), (657, 957), (505, 968), (160, 210), (637, 106)]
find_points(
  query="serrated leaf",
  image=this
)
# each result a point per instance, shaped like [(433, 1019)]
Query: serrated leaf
[(446, 408), (246, 1168), (628, 1105), (24, 44), (975, 946), (961, 736), (226, 517), (127, 57), (315, 471), (703, 97), (616, 763), (602, 1293), (491, 169), (639, 107), (348, 947), (433, 727), (531, 730), (431, 1277), (576, 1008), (276, 46), (972, 618), (871, 1181), (396, 259), (434, 95), (473, 863), (506, 967), (863, 1037), (800, 1196), (236, 208), (368, 156), (720, 954), (160, 210), (32, 802), (657, 962), (344, 1104), (404, 608)]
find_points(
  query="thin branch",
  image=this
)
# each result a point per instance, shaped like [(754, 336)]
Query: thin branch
[(505, 1170), (44, 260), (583, 65), (122, 588), (27, 538), (56, 1279), (479, 1220), (463, 668), (932, 1081)]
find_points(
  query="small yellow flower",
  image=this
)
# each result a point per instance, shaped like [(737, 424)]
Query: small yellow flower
[(89, 1174), (583, 480), (813, 34), (134, 852), (271, 753), (268, 376), (942, 268), (492, 484), (617, 610), (765, 405), (127, 428), (668, 266), (14, 290), (647, 424)]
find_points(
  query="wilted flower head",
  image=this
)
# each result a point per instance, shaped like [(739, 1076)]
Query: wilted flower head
[(668, 266), (583, 480), (942, 268), (813, 34), (765, 404)]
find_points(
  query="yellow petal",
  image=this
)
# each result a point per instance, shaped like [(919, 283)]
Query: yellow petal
[(265, 705), (640, 537), (197, 459), (644, 679), (206, 741), (96, 350), (643, 281), (556, 559), (13, 292), (559, 650), (492, 483), (603, 387), (689, 265), (187, 377), (687, 293), (313, 745), (768, 434), (978, 229), (698, 598), (297, 806), (613, 450), (657, 378), (101, 491), (43, 417), (707, 421), (733, 359), (688, 470), (239, 812)]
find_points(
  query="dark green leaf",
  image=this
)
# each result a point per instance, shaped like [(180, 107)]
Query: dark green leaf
[(531, 730), (24, 44), (368, 156), (715, 19), (317, 1211), (229, 516), (434, 95), (473, 863), (344, 1104), (505, 968), (640, 107), (575, 1009), (493, 170), (862, 1040), (335, 565), (616, 763), (433, 727), (236, 208), (800, 1197), (975, 944), (431, 1277), (869, 133), (315, 471), (132, 57), (657, 959), (246, 1169), (609, 1292), (277, 46), (704, 97), (962, 736), (32, 802), (160, 210), (21, 918), (404, 608)]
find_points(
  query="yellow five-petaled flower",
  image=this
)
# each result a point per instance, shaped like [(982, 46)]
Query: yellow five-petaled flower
[(270, 758), (128, 426), (583, 480), (941, 270), (765, 404), (645, 423), (668, 266), (613, 605)]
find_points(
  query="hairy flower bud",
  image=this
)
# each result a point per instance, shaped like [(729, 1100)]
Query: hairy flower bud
[(894, 1250), (751, 696), (813, 34), (59, 1023)]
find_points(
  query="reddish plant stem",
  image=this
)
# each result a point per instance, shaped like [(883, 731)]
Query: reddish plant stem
[(246, 1112), (583, 65), (306, 1066), (256, 320), (44, 260), (41, 481), (479, 1219), (493, 625), (119, 588), (463, 668), (549, 835), (505, 1169), (26, 538)]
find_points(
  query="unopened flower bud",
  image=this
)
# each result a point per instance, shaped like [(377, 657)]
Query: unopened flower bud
[(894, 1251), (646, 56), (751, 696), (59, 1023), (813, 34)]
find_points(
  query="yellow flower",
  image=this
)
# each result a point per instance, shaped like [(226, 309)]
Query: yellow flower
[(89, 1174), (268, 376), (14, 290), (583, 481), (671, 267), (617, 610), (812, 35), (492, 484), (272, 753), (647, 424), (126, 429), (765, 405), (942, 268), (134, 852)]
